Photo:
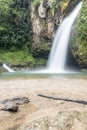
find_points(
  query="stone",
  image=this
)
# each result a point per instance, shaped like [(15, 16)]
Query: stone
[(42, 11), (37, 27), (17, 100), (20, 100), (10, 106), (50, 28)]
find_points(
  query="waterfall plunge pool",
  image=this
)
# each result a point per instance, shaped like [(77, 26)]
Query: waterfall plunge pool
[(43, 74)]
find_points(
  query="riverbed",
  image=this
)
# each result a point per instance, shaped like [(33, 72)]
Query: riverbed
[(54, 88)]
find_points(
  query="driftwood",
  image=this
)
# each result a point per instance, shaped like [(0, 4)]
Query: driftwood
[(64, 99)]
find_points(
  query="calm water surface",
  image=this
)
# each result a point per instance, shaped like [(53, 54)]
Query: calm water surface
[(38, 74)]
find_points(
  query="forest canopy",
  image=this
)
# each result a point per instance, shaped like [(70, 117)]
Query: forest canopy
[(15, 26)]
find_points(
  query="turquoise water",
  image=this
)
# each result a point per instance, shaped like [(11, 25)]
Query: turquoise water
[(19, 74)]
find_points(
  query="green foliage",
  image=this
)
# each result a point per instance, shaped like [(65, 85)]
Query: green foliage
[(82, 25), (16, 33), (80, 37), (20, 57), (36, 2), (40, 62), (16, 57), (54, 4), (15, 24), (52, 10)]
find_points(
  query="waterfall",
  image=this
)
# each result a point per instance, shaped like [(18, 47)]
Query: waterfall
[(8, 68), (57, 58)]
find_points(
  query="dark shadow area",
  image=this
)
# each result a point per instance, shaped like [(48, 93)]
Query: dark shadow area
[(64, 99), (70, 7), (71, 63)]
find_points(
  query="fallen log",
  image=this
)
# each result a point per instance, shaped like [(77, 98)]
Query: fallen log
[(64, 99)]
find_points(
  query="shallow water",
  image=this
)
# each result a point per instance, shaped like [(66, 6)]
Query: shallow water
[(42, 74)]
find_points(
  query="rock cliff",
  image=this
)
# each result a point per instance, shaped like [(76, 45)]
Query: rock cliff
[(46, 16)]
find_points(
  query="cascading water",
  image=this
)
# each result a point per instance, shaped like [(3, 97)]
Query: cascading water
[(7, 68), (57, 58)]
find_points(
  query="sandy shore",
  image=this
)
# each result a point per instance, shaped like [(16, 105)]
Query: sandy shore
[(66, 88)]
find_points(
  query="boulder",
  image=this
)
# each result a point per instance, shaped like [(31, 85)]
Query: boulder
[(10, 106), (20, 100)]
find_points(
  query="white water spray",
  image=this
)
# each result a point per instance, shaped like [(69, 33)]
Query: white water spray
[(8, 68), (57, 58)]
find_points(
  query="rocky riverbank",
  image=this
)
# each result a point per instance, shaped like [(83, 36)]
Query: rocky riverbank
[(45, 113)]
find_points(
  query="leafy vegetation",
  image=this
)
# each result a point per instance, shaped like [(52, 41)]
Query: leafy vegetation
[(15, 25), (80, 38), (36, 2), (16, 57), (20, 57), (59, 3), (16, 32)]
